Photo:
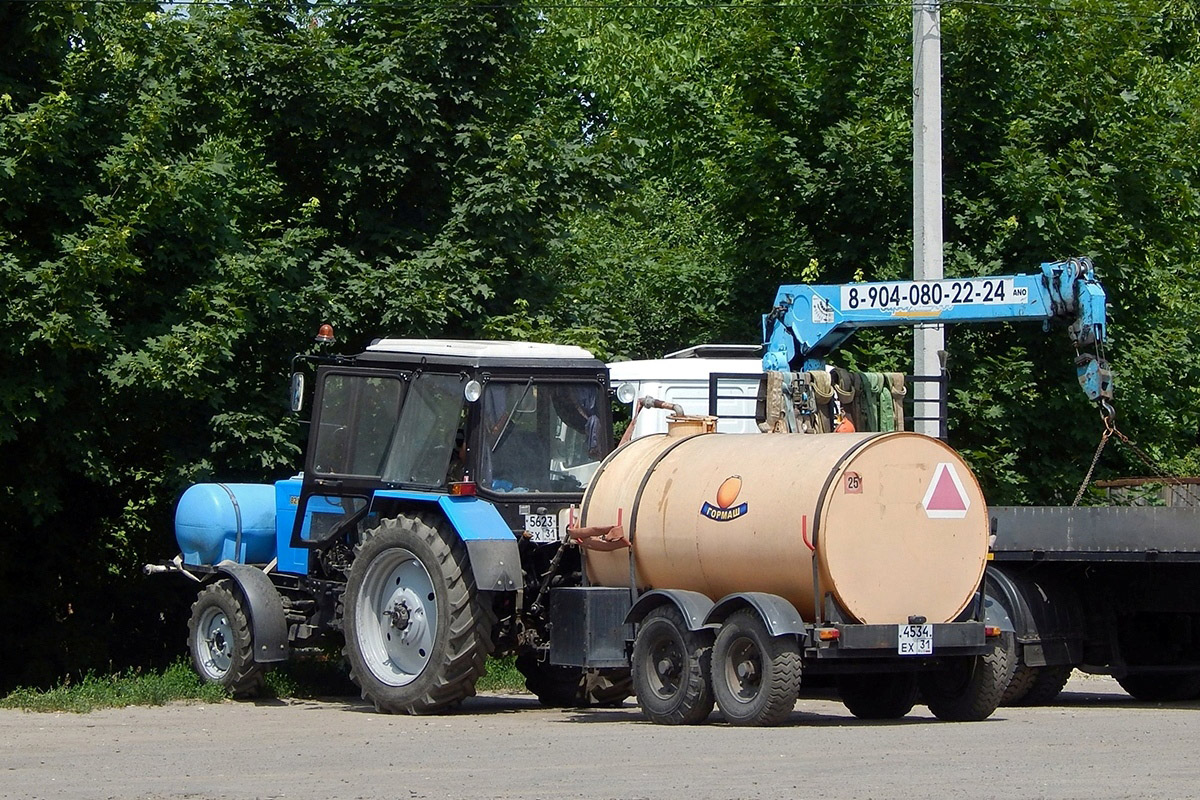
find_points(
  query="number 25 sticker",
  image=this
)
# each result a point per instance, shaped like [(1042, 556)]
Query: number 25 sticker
[(853, 483)]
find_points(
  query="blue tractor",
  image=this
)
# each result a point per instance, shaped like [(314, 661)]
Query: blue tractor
[(426, 529)]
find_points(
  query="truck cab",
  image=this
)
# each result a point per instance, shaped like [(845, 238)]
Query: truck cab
[(719, 380)]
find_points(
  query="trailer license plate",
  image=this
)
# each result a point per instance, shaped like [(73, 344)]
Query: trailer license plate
[(916, 640), (542, 527)]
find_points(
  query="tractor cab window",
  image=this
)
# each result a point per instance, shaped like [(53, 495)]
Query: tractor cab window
[(541, 437), (431, 417), (356, 423), (394, 429)]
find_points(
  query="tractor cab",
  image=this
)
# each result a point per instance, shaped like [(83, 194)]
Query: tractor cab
[(521, 425)]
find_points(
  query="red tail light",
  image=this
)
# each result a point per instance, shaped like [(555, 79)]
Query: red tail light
[(462, 489)]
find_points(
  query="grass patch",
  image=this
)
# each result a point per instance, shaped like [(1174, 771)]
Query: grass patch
[(306, 675), (318, 672), (132, 688), (502, 676)]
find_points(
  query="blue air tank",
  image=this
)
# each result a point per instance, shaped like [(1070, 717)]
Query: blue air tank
[(217, 522)]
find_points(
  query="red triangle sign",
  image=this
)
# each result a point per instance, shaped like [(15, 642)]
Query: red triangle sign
[(946, 498)]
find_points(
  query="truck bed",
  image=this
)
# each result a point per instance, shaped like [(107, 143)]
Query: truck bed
[(1126, 533)]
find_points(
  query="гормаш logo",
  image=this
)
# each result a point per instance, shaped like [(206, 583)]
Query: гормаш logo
[(725, 510)]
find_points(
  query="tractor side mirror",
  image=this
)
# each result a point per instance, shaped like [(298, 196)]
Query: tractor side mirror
[(297, 391)]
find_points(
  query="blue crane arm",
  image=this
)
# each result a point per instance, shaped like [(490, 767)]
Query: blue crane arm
[(808, 323)]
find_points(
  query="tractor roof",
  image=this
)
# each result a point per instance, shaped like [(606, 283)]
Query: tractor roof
[(482, 352)]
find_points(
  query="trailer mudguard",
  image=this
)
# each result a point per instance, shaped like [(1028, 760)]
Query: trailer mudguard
[(268, 626), (780, 616), (491, 544), (692, 605), (1045, 615)]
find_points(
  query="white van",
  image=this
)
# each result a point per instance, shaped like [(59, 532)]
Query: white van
[(716, 379)]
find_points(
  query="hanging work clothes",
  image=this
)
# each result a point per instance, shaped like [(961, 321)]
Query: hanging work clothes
[(774, 417), (897, 389), (819, 398), (873, 384), (847, 389)]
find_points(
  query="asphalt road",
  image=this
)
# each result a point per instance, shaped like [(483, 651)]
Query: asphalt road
[(1094, 743)]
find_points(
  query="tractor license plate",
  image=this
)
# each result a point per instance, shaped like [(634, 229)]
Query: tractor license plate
[(542, 527), (916, 640)]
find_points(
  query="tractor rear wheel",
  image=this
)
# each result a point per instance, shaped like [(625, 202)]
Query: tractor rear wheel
[(417, 633)]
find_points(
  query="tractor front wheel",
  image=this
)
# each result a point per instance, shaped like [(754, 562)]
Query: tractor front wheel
[(220, 642)]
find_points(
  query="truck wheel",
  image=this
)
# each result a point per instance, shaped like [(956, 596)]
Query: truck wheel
[(416, 632), (755, 676), (220, 643), (876, 696), (671, 669), (554, 685), (968, 689), (1036, 686), (1162, 687)]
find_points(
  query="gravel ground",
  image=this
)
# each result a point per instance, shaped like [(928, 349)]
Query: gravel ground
[(1095, 742)]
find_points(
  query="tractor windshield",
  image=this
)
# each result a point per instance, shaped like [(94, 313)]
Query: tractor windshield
[(540, 437)]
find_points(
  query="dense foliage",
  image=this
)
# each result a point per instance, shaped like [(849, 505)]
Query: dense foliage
[(185, 195)]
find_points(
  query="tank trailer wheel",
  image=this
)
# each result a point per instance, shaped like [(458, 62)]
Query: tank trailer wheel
[(220, 643), (1036, 686), (1162, 687), (968, 689), (671, 669), (416, 632), (878, 696), (755, 676)]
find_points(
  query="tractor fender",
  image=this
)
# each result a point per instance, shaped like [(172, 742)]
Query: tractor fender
[(692, 605), (491, 545), (780, 616), (268, 626)]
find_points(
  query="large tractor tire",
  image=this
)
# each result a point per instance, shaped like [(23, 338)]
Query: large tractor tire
[(220, 642), (671, 673), (1162, 687), (417, 634), (755, 676), (968, 689), (1036, 686), (878, 696)]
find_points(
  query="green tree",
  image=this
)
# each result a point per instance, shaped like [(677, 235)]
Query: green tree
[(184, 198)]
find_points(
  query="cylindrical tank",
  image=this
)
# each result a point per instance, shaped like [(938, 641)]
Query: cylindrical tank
[(217, 522), (893, 525)]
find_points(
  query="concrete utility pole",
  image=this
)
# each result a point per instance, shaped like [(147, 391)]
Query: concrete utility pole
[(928, 340)]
